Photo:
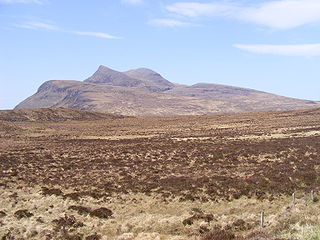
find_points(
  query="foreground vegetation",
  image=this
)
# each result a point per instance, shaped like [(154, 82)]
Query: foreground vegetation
[(34, 213), (200, 177)]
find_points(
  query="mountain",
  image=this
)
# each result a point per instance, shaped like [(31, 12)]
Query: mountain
[(142, 78), (145, 92)]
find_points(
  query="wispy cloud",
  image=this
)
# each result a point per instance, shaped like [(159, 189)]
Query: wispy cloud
[(284, 14), (304, 50), (279, 14), (195, 9), (96, 34), (38, 26), (52, 27), (167, 22), (20, 1), (132, 1)]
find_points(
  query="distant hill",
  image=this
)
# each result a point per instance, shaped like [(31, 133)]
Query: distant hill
[(145, 92), (53, 114)]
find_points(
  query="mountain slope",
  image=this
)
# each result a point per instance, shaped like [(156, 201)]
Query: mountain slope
[(145, 92), (53, 114)]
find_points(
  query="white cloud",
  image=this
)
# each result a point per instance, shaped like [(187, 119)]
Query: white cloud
[(132, 1), (96, 34), (284, 14), (280, 14), (195, 9), (38, 26), (166, 22), (304, 50), (52, 27), (20, 1)]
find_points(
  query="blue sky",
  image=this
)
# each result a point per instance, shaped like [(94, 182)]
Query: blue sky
[(272, 46)]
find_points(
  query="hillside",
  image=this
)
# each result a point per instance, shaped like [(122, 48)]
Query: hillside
[(144, 92), (53, 114)]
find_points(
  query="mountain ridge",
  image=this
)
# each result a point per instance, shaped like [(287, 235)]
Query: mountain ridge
[(143, 91)]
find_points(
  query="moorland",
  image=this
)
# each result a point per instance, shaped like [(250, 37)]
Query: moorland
[(184, 177)]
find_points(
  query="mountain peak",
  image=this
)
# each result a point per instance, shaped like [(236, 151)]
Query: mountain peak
[(105, 75), (143, 78), (143, 71), (104, 68), (151, 78)]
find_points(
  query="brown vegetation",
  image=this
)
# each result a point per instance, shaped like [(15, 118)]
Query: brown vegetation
[(53, 115), (23, 214), (173, 176)]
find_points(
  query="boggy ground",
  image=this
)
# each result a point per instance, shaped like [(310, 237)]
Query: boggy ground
[(199, 177)]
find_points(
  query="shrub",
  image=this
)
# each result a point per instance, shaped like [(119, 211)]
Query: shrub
[(101, 213), (219, 235), (23, 214), (53, 191), (7, 236), (81, 210), (67, 221), (93, 237), (2, 214)]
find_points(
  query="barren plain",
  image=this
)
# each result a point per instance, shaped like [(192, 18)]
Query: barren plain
[(187, 177)]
